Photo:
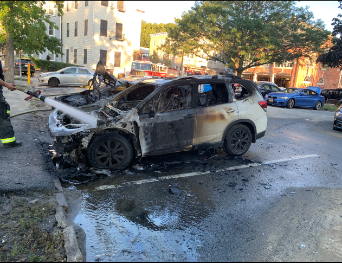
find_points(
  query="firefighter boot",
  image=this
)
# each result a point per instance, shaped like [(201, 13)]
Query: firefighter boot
[(12, 144)]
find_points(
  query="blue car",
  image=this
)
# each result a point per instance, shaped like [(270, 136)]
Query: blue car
[(296, 97)]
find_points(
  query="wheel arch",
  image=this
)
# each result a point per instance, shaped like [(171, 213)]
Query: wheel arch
[(128, 135), (250, 124)]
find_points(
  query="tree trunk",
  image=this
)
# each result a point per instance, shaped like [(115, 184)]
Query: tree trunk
[(9, 59)]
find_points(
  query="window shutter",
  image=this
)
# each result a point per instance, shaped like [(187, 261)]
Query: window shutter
[(103, 28), (103, 56), (67, 56), (75, 56), (117, 59), (86, 27), (118, 31), (85, 57)]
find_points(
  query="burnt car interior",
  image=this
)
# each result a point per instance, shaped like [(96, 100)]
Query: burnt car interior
[(212, 94), (240, 91)]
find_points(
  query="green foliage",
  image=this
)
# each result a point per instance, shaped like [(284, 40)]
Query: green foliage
[(333, 58), (149, 28), (24, 21), (154, 58), (245, 34), (45, 65)]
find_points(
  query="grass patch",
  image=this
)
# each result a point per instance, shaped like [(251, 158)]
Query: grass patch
[(330, 107), (28, 229)]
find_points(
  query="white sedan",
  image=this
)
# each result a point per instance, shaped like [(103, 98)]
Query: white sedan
[(67, 76)]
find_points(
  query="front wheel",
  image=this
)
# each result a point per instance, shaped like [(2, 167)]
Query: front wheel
[(110, 151), (318, 105), (290, 104), (53, 82), (238, 140)]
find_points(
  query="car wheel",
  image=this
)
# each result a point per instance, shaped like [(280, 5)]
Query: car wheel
[(110, 151), (53, 82), (290, 103), (318, 105), (238, 140)]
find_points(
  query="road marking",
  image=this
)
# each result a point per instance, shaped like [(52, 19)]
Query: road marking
[(168, 177)]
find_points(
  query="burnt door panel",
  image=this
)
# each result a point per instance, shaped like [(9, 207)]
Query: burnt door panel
[(214, 113), (171, 123)]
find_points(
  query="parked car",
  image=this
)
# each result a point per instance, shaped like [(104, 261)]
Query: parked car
[(266, 87), (24, 67), (297, 97), (159, 116), (338, 118), (67, 76), (332, 94)]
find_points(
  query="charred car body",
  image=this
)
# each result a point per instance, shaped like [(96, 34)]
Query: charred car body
[(159, 116)]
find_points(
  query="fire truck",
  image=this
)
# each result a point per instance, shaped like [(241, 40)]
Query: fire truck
[(147, 68)]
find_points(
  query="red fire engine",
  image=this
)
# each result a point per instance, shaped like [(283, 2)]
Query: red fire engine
[(147, 68)]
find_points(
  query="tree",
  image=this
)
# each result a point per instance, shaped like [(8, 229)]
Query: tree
[(333, 58), (22, 22), (154, 58), (149, 28), (245, 34)]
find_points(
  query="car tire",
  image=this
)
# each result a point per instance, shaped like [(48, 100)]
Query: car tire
[(238, 140), (318, 105), (290, 103), (53, 82), (110, 151)]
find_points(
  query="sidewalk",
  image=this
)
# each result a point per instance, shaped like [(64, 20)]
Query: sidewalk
[(27, 174)]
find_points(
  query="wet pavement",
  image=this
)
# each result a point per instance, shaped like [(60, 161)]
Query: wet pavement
[(278, 202)]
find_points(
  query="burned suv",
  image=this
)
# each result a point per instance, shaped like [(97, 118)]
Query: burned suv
[(159, 116)]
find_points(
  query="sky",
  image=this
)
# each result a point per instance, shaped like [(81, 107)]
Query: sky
[(165, 11)]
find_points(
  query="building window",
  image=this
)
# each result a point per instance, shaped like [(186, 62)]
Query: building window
[(76, 25), (67, 29), (120, 6), (67, 56), (75, 56), (68, 6), (50, 30), (117, 59), (104, 3), (103, 28), (103, 56), (85, 3), (85, 56), (86, 27), (51, 10), (76, 4), (160, 42), (118, 31), (154, 43)]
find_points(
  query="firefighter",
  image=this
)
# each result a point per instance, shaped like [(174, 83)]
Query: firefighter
[(6, 129)]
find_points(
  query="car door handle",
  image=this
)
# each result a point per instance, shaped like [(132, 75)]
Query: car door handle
[(230, 110), (188, 116)]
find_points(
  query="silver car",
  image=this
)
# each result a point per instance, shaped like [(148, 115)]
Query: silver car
[(67, 76)]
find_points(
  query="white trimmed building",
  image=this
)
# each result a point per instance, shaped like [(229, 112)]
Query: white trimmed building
[(109, 30)]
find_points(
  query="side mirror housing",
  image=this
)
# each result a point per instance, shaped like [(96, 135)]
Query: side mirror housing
[(62, 72)]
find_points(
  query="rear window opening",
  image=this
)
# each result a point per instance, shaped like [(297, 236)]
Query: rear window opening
[(212, 94), (240, 91)]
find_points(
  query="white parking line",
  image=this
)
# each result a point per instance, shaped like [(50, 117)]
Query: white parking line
[(152, 180)]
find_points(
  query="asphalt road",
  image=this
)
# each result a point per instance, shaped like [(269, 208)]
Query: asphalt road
[(279, 202)]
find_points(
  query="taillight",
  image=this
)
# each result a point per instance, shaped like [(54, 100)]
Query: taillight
[(263, 104)]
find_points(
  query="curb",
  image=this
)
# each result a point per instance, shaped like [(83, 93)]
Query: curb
[(72, 249)]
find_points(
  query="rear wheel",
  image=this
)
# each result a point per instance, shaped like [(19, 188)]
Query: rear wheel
[(290, 103), (53, 82), (318, 105), (110, 151), (238, 140)]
